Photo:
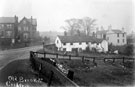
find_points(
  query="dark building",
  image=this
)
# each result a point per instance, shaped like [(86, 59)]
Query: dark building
[(8, 29), (27, 30), (12, 31)]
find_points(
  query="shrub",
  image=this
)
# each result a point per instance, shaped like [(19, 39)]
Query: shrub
[(125, 49), (129, 64), (129, 50)]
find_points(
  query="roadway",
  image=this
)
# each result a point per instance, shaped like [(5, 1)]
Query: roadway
[(7, 56)]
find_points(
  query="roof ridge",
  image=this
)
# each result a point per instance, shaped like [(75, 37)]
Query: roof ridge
[(73, 39)]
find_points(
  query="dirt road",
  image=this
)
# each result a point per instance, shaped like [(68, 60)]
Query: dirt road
[(13, 54)]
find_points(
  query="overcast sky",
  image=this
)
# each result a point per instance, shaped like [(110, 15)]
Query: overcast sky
[(51, 14)]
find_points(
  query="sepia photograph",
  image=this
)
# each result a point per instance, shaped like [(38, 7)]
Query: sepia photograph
[(67, 43)]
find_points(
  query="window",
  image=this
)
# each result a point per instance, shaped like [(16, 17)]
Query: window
[(25, 35), (24, 22), (118, 40), (104, 36), (107, 38), (86, 42), (123, 34), (123, 40), (57, 41), (19, 28), (79, 43), (2, 25), (2, 33), (25, 28), (64, 49), (64, 43), (8, 33), (117, 34), (71, 43), (9, 26)]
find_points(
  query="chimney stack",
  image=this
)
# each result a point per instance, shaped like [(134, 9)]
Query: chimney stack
[(110, 27), (16, 19), (31, 19), (123, 29)]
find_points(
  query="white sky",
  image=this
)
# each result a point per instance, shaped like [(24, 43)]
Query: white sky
[(51, 14)]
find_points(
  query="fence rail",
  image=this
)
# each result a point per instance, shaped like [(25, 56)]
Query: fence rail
[(82, 57)]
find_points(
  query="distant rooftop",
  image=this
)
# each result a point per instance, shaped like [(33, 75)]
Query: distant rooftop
[(7, 19), (105, 31)]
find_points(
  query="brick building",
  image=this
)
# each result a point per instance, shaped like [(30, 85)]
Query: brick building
[(13, 31), (8, 29), (27, 30)]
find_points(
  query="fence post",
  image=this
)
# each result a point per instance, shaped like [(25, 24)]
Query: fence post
[(104, 60), (123, 59), (113, 60), (50, 79), (69, 57), (82, 58), (95, 64), (40, 68), (94, 60), (70, 74), (44, 55), (57, 56), (31, 54)]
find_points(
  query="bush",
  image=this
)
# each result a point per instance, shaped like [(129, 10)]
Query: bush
[(125, 49), (129, 64), (129, 50)]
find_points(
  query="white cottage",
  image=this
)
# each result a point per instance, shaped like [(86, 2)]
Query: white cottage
[(68, 43)]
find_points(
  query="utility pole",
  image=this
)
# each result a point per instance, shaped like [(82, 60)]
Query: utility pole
[(44, 49), (43, 46)]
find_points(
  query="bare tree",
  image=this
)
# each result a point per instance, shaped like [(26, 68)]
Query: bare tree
[(88, 24), (79, 26)]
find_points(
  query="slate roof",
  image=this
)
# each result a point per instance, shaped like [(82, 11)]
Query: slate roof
[(34, 21), (105, 31), (117, 31), (73, 39), (7, 19)]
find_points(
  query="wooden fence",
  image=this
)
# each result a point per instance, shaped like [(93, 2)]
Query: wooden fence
[(83, 58)]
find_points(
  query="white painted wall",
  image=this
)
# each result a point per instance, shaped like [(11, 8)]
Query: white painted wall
[(111, 37), (67, 46), (58, 43), (114, 39), (103, 46)]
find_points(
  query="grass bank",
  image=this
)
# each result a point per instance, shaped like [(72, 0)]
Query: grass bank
[(104, 74), (19, 72)]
